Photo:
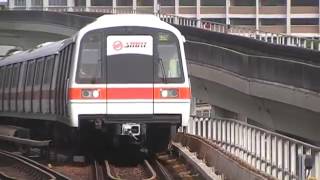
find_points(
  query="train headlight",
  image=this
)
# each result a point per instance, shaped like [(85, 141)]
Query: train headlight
[(169, 93), (90, 93)]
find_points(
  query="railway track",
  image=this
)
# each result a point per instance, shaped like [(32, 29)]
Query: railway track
[(14, 166), (174, 167), (140, 171)]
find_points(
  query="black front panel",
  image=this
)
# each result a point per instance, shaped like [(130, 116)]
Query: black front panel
[(96, 65)]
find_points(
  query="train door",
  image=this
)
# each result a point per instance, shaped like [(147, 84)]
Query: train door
[(129, 73)]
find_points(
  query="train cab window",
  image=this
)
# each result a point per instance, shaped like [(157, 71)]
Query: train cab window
[(169, 65), (89, 69), (48, 70), (39, 71), (30, 75)]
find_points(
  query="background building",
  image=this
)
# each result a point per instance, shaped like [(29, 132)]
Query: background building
[(295, 17)]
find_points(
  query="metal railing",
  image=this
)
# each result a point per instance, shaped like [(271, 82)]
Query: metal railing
[(275, 154), (269, 37)]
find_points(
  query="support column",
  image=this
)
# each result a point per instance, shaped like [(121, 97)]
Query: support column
[(288, 17), (11, 4), (134, 5), (176, 7), (227, 11), (45, 4), (198, 13), (88, 5), (156, 8), (258, 14), (317, 165), (70, 5), (28, 4), (114, 6)]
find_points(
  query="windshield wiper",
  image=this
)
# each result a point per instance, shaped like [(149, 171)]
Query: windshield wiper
[(163, 71)]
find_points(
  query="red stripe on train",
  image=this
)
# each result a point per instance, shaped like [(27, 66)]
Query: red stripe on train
[(129, 93)]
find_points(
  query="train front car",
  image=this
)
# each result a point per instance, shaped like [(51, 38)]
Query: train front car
[(130, 83)]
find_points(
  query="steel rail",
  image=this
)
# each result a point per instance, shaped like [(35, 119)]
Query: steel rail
[(53, 174), (28, 164)]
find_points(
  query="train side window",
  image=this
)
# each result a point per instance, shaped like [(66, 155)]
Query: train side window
[(48, 70), (30, 75), (8, 76), (15, 76), (1, 77), (23, 74), (2, 71), (39, 71)]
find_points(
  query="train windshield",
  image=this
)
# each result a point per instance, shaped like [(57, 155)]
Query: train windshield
[(125, 58)]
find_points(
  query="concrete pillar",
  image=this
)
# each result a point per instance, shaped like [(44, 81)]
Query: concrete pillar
[(176, 7), (134, 5), (193, 106), (198, 13), (156, 8), (257, 14), (288, 17), (114, 6), (70, 5), (11, 4), (28, 4), (227, 11), (45, 4), (88, 5)]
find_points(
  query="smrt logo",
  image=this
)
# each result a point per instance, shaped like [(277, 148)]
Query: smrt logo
[(117, 45)]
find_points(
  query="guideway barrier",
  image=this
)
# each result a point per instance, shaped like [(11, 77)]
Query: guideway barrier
[(274, 154), (274, 38)]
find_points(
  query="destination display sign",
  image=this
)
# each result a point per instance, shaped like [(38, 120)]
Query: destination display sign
[(129, 45)]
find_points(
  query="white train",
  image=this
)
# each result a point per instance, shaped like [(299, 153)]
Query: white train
[(123, 75)]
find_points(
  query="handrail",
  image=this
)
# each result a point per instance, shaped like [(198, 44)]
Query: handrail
[(269, 37), (275, 154)]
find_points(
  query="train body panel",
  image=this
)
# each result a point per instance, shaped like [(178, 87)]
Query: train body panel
[(119, 69)]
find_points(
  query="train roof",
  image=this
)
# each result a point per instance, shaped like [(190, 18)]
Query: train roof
[(114, 20), (42, 50)]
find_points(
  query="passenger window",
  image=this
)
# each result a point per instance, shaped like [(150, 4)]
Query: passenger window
[(15, 75), (1, 77), (8, 76)]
